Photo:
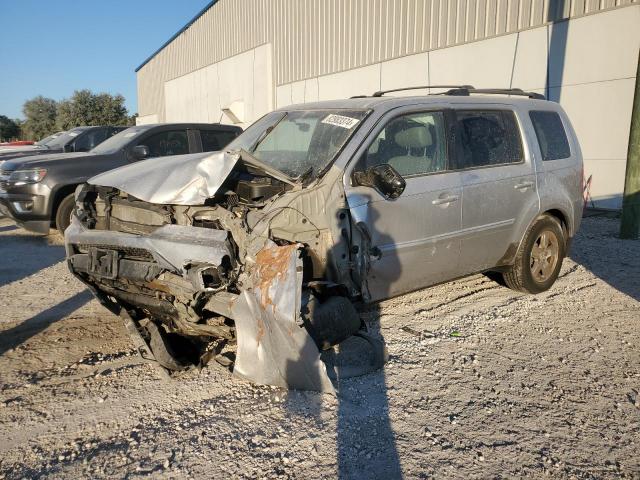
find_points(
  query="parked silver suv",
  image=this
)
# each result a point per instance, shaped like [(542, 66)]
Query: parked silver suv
[(269, 247)]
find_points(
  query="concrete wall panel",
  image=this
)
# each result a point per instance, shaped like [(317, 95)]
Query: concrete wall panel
[(409, 71), (601, 115), (311, 90), (530, 65), (595, 47), (297, 92), (481, 64), (243, 83), (283, 95), (360, 81)]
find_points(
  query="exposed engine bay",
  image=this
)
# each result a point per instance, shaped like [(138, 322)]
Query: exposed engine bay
[(251, 272)]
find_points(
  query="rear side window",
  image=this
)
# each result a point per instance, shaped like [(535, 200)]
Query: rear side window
[(91, 139), (172, 142), (487, 138), (551, 135), (215, 140)]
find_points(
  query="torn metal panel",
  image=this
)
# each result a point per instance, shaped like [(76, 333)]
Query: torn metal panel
[(175, 180), (273, 346)]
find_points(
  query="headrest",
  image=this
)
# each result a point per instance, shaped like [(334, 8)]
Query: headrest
[(414, 137)]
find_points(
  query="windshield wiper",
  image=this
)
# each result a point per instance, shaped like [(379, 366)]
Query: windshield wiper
[(264, 134)]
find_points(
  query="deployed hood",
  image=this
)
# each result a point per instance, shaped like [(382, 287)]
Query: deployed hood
[(177, 180), (40, 160)]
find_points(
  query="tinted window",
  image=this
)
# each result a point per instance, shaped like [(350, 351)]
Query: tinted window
[(413, 144), (120, 140), (173, 142), (488, 138), (551, 135), (215, 140), (86, 142), (65, 138)]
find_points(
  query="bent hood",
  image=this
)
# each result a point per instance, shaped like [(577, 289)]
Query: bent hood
[(176, 180)]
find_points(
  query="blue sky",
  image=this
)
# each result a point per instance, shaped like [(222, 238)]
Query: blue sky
[(54, 47)]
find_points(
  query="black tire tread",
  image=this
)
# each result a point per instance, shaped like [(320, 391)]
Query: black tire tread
[(514, 277), (63, 213)]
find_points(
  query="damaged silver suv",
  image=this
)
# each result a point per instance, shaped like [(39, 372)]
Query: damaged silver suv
[(259, 256)]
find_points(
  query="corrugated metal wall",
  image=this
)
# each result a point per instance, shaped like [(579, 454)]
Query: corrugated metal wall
[(318, 37)]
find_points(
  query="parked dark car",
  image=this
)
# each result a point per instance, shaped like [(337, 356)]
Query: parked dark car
[(37, 192), (79, 139)]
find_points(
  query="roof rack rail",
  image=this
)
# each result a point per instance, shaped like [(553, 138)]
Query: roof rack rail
[(422, 87), (462, 91)]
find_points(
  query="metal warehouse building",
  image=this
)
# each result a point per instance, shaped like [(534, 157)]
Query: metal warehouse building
[(238, 59)]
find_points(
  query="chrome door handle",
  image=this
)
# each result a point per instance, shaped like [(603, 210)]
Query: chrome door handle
[(445, 200), (523, 185)]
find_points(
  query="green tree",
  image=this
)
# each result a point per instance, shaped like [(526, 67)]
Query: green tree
[(40, 117), (9, 129), (87, 108)]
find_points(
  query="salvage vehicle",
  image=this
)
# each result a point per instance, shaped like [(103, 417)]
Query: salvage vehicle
[(260, 256), (79, 139), (38, 192)]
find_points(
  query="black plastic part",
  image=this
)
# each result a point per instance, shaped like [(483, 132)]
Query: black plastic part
[(330, 322), (422, 87), (258, 189), (465, 90)]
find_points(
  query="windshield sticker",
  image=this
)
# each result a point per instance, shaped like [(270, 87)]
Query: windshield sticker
[(130, 134), (340, 121), (73, 134)]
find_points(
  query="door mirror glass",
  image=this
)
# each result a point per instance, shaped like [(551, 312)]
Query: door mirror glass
[(140, 152), (384, 178)]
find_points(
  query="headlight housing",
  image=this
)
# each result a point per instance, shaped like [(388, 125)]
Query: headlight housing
[(24, 177)]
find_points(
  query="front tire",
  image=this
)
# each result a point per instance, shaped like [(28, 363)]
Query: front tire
[(63, 215), (539, 258)]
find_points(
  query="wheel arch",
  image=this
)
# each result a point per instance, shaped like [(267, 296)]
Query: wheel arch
[(58, 196)]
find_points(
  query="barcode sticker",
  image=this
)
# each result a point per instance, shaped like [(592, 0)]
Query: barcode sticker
[(340, 121)]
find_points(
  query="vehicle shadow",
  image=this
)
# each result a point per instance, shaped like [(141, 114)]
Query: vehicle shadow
[(15, 336), (365, 440), (598, 248), (29, 254)]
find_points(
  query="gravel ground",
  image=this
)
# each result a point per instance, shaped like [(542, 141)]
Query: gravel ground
[(481, 382)]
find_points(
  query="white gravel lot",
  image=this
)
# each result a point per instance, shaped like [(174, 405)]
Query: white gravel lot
[(532, 386)]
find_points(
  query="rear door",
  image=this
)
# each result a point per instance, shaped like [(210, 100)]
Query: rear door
[(417, 234), (498, 183)]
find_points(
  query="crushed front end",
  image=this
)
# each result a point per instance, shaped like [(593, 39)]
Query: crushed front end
[(221, 280)]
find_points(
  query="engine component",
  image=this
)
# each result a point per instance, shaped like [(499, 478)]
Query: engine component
[(258, 189)]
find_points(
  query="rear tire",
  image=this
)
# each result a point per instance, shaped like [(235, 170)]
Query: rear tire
[(539, 258), (63, 215)]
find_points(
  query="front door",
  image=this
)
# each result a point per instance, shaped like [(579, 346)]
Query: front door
[(416, 235)]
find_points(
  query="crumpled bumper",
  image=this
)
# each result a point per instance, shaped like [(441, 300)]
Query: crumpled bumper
[(171, 246), (273, 345)]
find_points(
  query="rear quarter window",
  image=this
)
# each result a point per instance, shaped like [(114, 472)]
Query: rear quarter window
[(551, 135)]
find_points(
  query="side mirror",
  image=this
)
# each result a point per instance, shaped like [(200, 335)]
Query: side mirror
[(69, 147), (384, 178), (140, 152)]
